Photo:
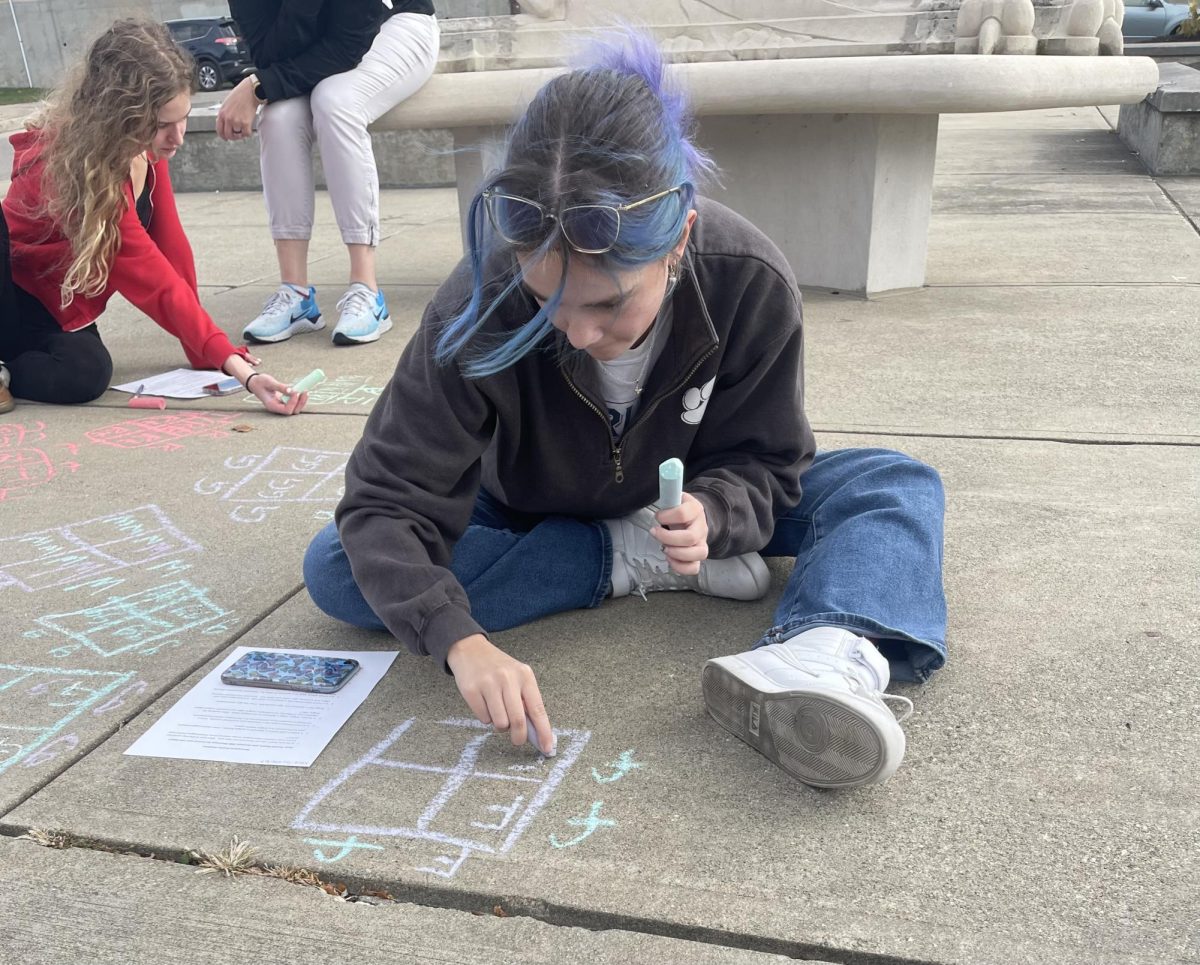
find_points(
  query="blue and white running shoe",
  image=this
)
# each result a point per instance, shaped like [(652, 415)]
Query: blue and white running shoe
[(288, 311), (364, 316)]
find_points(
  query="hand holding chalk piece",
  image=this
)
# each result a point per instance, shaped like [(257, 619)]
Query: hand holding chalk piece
[(140, 401), (315, 377), (670, 484)]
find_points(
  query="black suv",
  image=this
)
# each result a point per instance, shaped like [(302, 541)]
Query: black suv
[(220, 53)]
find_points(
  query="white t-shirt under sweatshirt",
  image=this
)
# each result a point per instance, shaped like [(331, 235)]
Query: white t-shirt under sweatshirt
[(621, 378)]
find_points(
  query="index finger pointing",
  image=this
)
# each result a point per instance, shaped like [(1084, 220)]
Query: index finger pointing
[(541, 734)]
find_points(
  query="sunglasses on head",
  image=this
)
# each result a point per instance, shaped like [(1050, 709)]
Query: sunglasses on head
[(591, 229)]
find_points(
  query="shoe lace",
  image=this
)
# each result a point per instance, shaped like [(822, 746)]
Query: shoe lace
[(656, 575), (903, 701), (357, 301), (281, 299)]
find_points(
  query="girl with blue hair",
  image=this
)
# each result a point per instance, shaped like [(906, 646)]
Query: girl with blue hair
[(606, 318)]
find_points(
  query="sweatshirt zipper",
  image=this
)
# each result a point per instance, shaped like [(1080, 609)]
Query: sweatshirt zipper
[(618, 470)]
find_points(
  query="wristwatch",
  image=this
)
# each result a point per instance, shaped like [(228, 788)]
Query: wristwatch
[(256, 86)]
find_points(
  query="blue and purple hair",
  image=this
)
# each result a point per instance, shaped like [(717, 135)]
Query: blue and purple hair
[(612, 131)]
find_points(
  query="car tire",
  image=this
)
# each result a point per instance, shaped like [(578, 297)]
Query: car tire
[(208, 75)]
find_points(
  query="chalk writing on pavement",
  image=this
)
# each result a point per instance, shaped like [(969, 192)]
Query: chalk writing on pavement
[(145, 622), (38, 703), (24, 466), (90, 552), (162, 432), (473, 803), (286, 475)]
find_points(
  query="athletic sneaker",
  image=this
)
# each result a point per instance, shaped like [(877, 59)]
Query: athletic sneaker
[(291, 310), (364, 316), (7, 404), (640, 565), (813, 705)]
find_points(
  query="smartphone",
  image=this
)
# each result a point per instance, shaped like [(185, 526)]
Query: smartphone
[(291, 671)]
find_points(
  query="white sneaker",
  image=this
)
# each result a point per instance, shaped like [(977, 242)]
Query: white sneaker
[(640, 565), (812, 705)]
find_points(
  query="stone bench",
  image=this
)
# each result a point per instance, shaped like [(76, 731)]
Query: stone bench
[(832, 157), (1164, 128)]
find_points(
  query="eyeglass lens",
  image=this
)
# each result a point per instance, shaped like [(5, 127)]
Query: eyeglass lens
[(591, 227), (519, 222)]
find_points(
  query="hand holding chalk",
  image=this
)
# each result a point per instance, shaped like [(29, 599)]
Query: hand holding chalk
[(314, 378), (670, 484)]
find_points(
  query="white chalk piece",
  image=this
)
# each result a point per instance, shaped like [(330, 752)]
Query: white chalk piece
[(315, 377), (670, 484), (553, 743)]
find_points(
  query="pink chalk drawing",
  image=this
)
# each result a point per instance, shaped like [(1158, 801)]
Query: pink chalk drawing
[(161, 432), (145, 622), (22, 466), (285, 475), (69, 556), (38, 703), (476, 803)]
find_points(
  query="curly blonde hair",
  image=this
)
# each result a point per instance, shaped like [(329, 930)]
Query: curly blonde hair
[(91, 130)]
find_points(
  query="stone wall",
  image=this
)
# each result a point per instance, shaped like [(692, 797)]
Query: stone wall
[(56, 33)]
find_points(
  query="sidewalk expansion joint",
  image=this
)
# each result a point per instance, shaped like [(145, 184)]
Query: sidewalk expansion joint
[(1178, 207), (236, 860)]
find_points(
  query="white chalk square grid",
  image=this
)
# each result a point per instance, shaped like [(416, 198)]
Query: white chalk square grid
[(481, 803)]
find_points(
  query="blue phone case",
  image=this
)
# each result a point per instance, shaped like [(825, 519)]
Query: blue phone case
[(291, 671)]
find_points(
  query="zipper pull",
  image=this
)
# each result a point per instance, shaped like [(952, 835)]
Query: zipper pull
[(618, 472)]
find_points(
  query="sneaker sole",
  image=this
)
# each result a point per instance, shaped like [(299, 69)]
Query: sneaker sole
[(815, 739), (299, 327), (341, 338)]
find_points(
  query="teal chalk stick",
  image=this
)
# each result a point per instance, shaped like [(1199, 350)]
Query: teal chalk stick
[(315, 377), (670, 484)]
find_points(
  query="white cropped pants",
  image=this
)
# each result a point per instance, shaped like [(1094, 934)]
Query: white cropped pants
[(337, 113)]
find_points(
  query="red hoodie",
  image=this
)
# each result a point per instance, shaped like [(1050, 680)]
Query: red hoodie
[(153, 269)]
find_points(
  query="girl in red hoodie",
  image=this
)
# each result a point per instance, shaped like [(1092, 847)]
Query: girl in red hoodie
[(90, 212)]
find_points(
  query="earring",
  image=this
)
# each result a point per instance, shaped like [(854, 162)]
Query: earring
[(672, 274)]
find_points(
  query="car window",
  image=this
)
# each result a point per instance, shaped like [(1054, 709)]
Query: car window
[(226, 30)]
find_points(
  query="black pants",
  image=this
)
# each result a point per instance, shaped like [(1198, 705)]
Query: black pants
[(46, 364)]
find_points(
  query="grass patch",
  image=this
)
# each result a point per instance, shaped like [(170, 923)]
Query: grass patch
[(21, 95)]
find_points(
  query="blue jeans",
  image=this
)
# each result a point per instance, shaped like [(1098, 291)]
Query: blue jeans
[(867, 539)]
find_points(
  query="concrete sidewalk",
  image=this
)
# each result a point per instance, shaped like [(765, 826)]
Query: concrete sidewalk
[(1042, 814)]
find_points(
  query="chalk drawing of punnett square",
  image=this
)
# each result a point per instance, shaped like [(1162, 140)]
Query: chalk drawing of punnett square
[(285, 475), (145, 621), (93, 548), (38, 702), (479, 802)]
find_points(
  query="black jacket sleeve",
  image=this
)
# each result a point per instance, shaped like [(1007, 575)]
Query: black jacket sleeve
[(411, 485), (296, 44)]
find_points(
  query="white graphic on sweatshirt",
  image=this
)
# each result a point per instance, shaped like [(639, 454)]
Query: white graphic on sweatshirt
[(695, 401)]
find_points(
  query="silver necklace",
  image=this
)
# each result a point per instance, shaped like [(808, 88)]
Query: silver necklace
[(637, 385), (672, 280)]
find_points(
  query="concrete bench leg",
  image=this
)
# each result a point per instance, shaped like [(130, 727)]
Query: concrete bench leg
[(846, 197)]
